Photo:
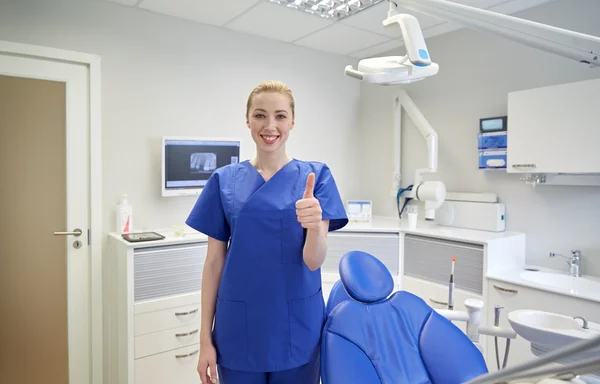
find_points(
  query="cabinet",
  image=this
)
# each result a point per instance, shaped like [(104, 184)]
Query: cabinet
[(554, 129), (512, 297), (152, 310)]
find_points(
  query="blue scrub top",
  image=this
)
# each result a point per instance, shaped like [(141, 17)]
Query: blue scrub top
[(270, 308)]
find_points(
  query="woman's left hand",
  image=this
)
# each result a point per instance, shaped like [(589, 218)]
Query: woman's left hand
[(308, 209)]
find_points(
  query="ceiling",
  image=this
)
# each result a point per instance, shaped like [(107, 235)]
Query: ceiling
[(359, 36)]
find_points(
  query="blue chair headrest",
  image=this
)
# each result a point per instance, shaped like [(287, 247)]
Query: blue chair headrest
[(365, 278)]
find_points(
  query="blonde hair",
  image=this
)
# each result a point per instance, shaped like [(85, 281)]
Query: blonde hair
[(275, 87)]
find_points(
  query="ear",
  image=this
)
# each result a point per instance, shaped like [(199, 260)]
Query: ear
[(247, 123), (293, 123)]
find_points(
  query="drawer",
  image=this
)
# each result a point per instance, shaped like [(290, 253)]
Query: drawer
[(436, 296), (153, 343), (170, 318), (178, 366)]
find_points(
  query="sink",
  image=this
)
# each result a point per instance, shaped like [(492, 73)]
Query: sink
[(575, 285), (548, 331)]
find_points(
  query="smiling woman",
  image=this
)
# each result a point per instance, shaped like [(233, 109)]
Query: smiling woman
[(270, 115), (267, 221)]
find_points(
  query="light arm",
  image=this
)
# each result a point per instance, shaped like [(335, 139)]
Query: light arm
[(432, 193), (426, 131), (572, 45)]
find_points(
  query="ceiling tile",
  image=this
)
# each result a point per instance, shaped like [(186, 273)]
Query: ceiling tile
[(396, 46), (124, 2), (483, 4), (372, 18), (341, 39), (274, 21), (509, 7), (202, 11)]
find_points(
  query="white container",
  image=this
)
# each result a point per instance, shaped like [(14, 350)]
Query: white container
[(124, 216), (412, 213), (412, 220)]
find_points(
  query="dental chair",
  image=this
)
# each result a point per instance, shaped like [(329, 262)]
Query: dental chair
[(371, 337)]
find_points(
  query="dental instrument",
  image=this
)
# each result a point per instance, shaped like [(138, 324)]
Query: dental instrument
[(417, 64), (497, 310), (451, 287)]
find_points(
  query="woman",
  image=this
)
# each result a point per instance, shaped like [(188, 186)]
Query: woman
[(267, 221)]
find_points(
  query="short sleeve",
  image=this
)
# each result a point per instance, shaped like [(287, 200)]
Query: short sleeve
[(326, 191), (207, 215)]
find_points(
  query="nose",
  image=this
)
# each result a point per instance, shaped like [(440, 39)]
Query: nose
[(272, 122)]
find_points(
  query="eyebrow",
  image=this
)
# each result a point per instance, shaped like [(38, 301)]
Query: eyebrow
[(278, 111)]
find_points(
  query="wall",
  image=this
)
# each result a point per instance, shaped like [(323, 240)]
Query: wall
[(477, 70), (165, 76)]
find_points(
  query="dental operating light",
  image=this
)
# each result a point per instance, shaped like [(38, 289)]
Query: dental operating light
[(393, 70), (417, 65), (329, 9)]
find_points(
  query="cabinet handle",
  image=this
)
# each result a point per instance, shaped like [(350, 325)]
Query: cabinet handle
[(506, 289), (186, 313), (187, 354), (186, 334), (438, 302)]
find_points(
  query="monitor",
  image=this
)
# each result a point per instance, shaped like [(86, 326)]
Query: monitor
[(188, 162)]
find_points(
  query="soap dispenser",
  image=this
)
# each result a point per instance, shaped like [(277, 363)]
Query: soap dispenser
[(124, 216)]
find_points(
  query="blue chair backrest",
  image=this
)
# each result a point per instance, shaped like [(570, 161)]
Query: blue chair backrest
[(371, 337)]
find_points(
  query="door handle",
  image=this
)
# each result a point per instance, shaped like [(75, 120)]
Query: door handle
[(75, 232)]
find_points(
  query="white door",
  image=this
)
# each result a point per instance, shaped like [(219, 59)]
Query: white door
[(44, 171)]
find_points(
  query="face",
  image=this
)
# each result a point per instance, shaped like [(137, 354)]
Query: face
[(270, 121)]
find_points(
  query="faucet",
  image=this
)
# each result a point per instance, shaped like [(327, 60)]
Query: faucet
[(585, 322), (574, 261)]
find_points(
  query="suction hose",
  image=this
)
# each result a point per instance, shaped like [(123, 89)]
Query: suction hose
[(497, 309)]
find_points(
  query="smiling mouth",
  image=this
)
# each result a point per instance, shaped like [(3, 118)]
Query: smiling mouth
[(269, 139)]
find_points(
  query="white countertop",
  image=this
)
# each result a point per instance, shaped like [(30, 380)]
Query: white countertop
[(378, 224), (191, 236), (430, 229), (514, 276)]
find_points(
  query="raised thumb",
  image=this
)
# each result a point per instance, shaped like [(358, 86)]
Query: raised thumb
[(310, 186)]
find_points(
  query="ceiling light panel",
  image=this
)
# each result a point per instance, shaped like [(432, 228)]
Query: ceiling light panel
[(329, 9)]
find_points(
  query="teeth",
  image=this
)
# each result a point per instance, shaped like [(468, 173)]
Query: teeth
[(270, 138)]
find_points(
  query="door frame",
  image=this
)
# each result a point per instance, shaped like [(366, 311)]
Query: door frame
[(92, 62)]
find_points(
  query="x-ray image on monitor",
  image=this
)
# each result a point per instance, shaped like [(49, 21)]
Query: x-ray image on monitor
[(188, 162), (203, 162)]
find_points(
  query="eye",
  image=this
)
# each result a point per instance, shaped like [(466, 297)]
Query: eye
[(259, 115), (281, 116)]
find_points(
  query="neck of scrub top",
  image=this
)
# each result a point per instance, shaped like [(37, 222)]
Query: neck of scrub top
[(270, 162)]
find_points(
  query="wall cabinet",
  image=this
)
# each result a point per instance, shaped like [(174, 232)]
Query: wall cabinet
[(513, 297), (554, 129)]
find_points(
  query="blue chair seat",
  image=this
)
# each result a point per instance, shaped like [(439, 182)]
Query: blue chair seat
[(372, 337)]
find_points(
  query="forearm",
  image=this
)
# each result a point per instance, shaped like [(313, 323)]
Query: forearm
[(315, 246), (211, 277)]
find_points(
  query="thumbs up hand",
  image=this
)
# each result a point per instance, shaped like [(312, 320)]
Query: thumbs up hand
[(308, 208)]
